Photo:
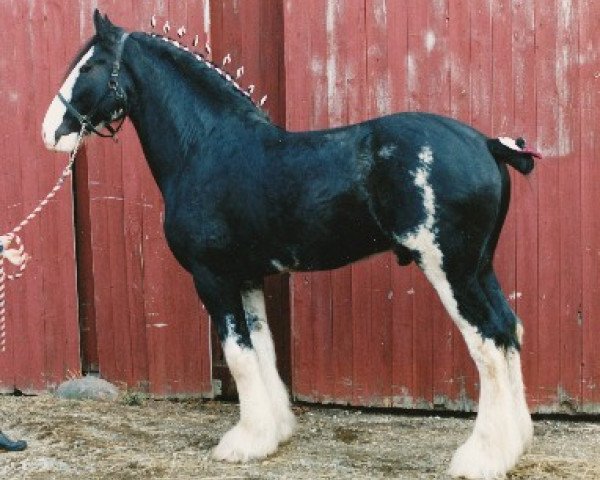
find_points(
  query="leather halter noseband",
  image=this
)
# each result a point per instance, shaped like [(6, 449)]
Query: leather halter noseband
[(118, 92)]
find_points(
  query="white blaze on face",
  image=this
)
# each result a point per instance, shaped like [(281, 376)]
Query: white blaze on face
[(56, 112)]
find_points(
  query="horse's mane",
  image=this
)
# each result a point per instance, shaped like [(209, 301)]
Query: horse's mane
[(197, 66)]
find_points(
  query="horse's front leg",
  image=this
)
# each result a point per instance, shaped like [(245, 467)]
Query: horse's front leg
[(256, 434), (256, 319)]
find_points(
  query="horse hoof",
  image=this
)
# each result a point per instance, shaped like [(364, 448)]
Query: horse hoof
[(240, 445)]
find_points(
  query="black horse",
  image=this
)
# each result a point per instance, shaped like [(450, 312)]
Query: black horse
[(245, 198)]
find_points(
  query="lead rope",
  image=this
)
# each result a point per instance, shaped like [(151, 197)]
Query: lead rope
[(17, 255)]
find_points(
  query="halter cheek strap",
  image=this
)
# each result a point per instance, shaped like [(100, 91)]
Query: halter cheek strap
[(118, 92)]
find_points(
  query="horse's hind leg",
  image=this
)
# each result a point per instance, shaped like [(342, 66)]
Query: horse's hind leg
[(493, 291), (491, 287), (256, 318), (495, 443)]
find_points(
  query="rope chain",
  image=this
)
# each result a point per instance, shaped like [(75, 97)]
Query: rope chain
[(17, 255)]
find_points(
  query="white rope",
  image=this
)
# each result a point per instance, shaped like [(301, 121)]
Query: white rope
[(17, 255)]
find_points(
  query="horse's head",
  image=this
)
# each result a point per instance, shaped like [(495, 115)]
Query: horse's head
[(93, 93)]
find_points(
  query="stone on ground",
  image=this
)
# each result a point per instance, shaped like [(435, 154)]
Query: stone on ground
[(87, 388)]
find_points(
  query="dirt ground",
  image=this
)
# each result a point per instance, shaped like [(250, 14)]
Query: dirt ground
[(168, 440)]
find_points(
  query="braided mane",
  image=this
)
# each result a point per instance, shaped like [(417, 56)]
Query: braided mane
[(200, 59)]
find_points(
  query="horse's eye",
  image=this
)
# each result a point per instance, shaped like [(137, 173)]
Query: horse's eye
[(85, 68)]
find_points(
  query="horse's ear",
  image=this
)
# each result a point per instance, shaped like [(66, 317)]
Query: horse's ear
[(98, 21), (104, 27)]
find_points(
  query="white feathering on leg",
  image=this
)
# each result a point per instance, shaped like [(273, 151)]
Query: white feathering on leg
[(255, 435), (254, 304)]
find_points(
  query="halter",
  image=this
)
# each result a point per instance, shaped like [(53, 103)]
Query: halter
[(114, 87)]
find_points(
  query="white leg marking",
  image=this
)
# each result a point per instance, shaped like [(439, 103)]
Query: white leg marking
[(255, 435), (515, 377), (254, 304), (56, 112), (496, 442)]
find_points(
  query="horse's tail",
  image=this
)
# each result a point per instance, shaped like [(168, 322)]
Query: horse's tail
[(513, 152)]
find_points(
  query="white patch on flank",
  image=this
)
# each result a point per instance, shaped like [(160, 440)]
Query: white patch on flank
[(56, 112), (430, 41), (497, 440), (255, 435), (387, 151), (254, 304)]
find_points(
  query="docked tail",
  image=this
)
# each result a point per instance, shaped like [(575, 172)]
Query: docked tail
[(513, 152)]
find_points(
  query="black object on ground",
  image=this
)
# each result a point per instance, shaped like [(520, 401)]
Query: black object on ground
[(8, 445)]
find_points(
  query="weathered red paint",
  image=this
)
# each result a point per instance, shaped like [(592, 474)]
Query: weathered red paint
[(368, 334), (590, 200), (42, 328), (375, 334)]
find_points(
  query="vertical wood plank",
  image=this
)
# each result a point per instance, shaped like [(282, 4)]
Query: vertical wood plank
[(548, 223), (42, 327), (569, 191), (525, 190), (589, 42)]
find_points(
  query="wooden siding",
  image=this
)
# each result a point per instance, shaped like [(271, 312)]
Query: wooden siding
[(376, 334), (42, 328), (369, 334)]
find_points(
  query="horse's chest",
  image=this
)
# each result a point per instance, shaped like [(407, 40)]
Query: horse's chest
[(192, 233)]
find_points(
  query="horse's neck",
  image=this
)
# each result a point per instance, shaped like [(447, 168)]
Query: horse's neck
[(176, 120)]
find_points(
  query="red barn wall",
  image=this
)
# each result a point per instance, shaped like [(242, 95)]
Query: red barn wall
[(375, 334), (41, 322), (368, 334)]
